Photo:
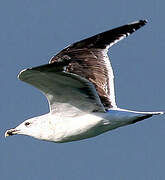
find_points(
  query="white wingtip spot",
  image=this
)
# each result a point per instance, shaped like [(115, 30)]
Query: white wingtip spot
[(19, 75), (140, 21)]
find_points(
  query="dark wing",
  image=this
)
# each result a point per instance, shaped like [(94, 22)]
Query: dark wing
[(88, 59)]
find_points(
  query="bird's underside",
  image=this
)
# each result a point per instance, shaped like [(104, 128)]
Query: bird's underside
[(79, 85)]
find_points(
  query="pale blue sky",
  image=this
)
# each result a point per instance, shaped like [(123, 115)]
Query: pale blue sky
[(33, 31)]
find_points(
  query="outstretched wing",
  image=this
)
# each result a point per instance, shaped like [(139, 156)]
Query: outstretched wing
[(88, 59), (79, 79), (67, 93)]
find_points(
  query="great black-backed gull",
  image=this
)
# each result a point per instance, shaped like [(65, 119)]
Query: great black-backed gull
[(79, 85)]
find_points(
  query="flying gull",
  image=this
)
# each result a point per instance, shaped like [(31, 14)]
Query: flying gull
[(79, 85)]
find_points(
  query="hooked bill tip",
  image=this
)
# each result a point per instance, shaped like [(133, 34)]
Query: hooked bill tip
[(11, 132), (7, 134)]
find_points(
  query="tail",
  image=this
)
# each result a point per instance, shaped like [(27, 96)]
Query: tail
[(144, 115)]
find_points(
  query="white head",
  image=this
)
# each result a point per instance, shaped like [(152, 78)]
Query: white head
[(37, 127)]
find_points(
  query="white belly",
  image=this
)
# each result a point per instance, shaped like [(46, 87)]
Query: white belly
[(77, 128), (90, 125)]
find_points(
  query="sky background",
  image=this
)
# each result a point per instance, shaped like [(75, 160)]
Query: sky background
[(31, 32)]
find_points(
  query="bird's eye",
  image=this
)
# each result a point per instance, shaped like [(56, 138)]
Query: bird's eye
[(27, 123)]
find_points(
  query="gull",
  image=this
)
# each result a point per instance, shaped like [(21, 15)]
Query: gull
[(78, 83)]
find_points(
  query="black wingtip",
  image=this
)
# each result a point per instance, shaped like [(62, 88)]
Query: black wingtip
[(110, 37), (145, 21), (141, 22)]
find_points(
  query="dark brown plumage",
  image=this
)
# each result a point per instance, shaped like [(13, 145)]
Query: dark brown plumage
[(88, 58)]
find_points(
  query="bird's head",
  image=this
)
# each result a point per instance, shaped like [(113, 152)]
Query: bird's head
[(37, 127)]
